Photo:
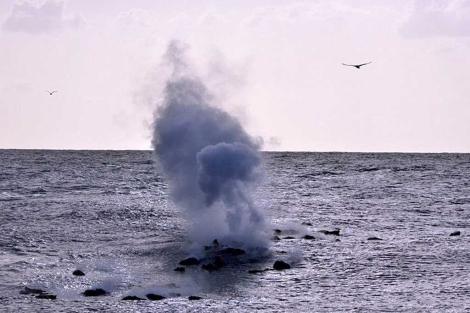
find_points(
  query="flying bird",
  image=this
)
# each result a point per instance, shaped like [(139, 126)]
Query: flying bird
[(51, 92), (357, 65)]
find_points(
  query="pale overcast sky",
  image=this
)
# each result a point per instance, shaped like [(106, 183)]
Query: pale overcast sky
[(275, 64)]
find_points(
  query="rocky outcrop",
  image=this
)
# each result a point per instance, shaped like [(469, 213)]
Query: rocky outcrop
[(78, 273), (154, 297), (95, 292), (132, 298), (190, 261), (232, 251), (455, 233), (281, 265), (194, 298)]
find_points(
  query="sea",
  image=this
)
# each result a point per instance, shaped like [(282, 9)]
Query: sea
[(362, 232)]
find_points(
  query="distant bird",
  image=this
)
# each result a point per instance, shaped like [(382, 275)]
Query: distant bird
[(51, 92), (357, 65)]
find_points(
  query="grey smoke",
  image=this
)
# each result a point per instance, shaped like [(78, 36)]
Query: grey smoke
[(210, 161)]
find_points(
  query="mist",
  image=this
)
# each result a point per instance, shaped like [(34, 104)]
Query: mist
[(209, 160)]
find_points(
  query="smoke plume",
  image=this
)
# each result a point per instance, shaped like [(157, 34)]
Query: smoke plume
[(210, 161)]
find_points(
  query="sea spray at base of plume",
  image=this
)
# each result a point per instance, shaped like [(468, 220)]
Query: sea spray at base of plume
[(209, 160)]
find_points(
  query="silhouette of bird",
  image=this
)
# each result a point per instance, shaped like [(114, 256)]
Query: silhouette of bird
[(51, 92), (357, 65)]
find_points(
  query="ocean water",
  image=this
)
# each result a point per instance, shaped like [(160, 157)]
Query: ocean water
[(109, 214)]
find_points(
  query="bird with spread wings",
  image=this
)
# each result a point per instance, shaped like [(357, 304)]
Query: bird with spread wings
[(357, 65), (51, 92)]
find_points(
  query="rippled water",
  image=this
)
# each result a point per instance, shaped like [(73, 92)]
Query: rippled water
[(108, 214)]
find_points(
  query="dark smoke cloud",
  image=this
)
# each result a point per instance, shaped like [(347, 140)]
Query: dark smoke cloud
[(208, 158)]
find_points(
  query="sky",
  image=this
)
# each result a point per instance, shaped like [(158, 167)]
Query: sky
[(276, 65)]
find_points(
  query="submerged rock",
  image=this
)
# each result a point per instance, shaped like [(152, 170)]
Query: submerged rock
[(194, 298), (46, 296), (374, 238), (31, 291), (180, 269), (132, 298), (455, 233), (289, 237), (154, 297), (258, 271), (281, 265), (277, 231), (209, 267), (190, 261), (95, 292), (275, 238), (78, 273), (233, 251), (334, 232), (309, 237)]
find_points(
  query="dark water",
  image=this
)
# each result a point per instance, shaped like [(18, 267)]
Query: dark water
[(108, 214)]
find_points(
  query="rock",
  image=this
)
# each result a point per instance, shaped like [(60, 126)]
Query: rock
[(190, 261), (374, 238), (154, 297), (78, 273), (309, 237), (194, 298), (330, 232), (219, 262), (95, 292), (281, 265), (289, 237), (275, 238), (307, 224), (31, 291), (209, 267), (46, 296), (232, 251), (215, 242), (455, 233), (180, 269), (132, 298), (277, 231)]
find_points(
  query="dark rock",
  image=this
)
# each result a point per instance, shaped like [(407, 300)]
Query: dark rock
[(455, 233), (209, 267), (307, 224), (309, 237), (95, 292), (78, 273), (46, 296), (374, 238), (219, 262), (180, 269), (330, 232), (277, 231), (132, 298), (289, 237), (232, 251), (275, 238), (152, 296), (30, 291), (194, 298), (281, 265), (215, 242), (190, 261)]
